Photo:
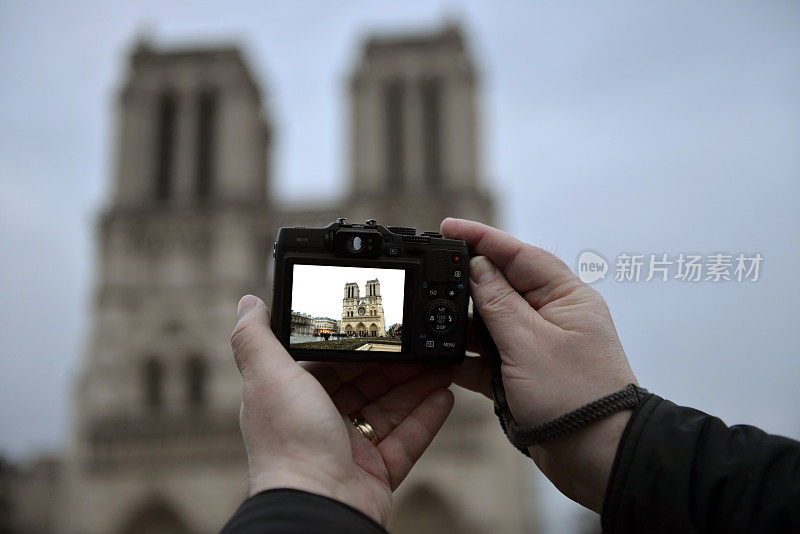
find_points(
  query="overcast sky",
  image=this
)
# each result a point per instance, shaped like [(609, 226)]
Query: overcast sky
[(318, 290), (649, 127)]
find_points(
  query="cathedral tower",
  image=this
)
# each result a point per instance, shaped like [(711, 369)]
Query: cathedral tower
[(415, 159), (414, 129), (183, 238)]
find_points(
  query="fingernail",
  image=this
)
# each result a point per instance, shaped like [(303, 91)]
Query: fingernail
[(246, 303), (481, 269), (443, 224)]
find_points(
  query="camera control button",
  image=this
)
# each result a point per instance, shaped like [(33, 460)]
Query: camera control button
[(458, 274), (448, 345), (402, 230), (452, 291), (433, 292), (457, 257), (441, 317), (430, 344), (393, 251)]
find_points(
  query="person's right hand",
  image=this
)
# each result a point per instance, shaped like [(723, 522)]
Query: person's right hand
[(559, 351)]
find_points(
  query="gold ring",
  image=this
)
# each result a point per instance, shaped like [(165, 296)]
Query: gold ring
[(365, 428)]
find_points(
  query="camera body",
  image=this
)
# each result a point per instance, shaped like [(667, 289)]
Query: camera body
[(414, 303)]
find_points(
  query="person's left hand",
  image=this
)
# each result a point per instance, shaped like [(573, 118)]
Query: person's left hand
[(295, 424)]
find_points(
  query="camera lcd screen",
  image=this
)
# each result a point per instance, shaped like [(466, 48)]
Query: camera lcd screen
[(346, 308)]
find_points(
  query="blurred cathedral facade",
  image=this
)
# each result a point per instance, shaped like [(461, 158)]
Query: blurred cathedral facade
[(155, 445)]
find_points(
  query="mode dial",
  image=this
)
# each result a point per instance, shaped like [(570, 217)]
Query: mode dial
[(402, 230)]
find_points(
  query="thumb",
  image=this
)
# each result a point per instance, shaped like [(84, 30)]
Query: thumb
[(257, 351), (504, 311)]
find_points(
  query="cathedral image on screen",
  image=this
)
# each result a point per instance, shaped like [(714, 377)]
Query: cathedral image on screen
[(365, 320), (362, 315)]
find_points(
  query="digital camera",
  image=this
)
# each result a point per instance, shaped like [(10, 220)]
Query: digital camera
[(369, 293)]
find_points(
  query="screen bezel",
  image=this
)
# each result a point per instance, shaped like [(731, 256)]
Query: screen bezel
[(411, 269)]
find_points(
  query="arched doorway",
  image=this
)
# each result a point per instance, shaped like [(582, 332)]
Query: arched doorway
[(362, 330), (373, 330), (424, 511), (155, 518), (348, 330)]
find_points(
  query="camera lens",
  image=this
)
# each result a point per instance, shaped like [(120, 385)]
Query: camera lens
[(355, 244)]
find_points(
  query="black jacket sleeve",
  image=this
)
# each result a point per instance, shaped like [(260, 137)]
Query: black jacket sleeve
[(680, 470), (289, 511)]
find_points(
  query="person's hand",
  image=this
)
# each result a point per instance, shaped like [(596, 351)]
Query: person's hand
[(559, 351), (295, 426)]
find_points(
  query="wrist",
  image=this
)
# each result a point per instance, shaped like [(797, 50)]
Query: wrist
[(321, 483), (579, 464), (279, 478)]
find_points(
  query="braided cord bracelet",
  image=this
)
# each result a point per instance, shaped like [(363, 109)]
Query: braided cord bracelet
[(523, 436)]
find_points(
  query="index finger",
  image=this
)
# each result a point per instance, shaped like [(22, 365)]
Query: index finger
[(526, 267)]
